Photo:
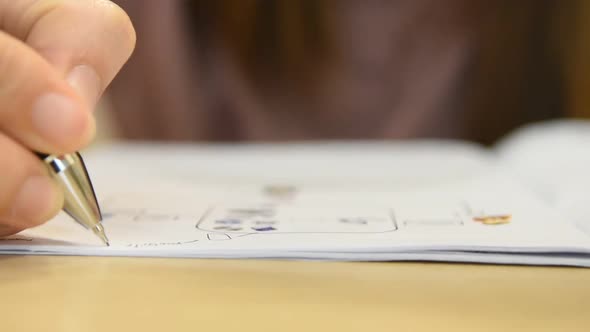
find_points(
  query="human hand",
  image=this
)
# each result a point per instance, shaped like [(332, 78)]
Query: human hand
[(56, 59)]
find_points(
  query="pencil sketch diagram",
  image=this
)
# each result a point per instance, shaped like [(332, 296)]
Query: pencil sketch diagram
[(462, 213), (156, 228), (226, 222), (150, 227), (433, 216), (215, 222)]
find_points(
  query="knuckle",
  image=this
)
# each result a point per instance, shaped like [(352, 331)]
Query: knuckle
[(21, 24), (6, 57), (13, 64)]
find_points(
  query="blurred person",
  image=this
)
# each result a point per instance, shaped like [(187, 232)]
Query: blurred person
[(278, 70)]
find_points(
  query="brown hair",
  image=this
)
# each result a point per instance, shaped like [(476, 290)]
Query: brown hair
[(268, 38), (517, 75)]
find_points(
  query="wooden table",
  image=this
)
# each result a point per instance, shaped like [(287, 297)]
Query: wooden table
[(140, 294)]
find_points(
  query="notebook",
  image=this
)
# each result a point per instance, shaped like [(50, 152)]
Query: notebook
[(521, 202)]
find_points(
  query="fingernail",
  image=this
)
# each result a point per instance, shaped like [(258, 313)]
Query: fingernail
[(38, 200), (57, 120), (86, 82)]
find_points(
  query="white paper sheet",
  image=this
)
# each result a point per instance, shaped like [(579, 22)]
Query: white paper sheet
[(413, 201)]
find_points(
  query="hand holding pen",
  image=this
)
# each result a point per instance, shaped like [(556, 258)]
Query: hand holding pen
[(56, 59)]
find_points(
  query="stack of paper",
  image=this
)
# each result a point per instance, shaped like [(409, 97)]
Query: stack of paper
[(426, 201)]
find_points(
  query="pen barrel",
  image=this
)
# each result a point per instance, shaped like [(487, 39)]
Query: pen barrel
[(42, 155), (59, 164), (79, 197)]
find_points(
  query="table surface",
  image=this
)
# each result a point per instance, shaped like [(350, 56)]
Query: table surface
[(145, 294)]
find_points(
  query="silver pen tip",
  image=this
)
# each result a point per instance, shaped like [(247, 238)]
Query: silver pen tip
[(79, 197), (99, 231)]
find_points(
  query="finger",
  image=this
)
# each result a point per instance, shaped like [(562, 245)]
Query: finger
[(88, 41), (37, 107), (28, 196), (6, 230)]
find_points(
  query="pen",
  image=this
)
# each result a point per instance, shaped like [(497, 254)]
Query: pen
[(79, 197)]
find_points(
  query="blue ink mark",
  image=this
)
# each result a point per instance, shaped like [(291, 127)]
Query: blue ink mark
[(264, 229)]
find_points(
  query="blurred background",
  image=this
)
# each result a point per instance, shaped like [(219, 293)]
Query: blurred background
[(284, 70)]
